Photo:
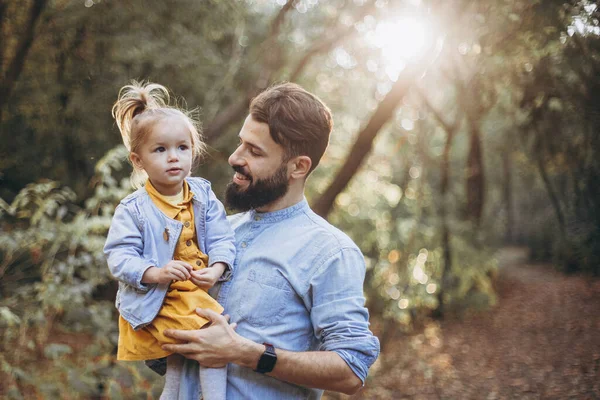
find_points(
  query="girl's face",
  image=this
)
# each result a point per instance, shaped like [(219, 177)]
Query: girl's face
[(166, 155)]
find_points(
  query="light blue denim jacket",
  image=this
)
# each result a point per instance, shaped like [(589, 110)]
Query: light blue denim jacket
[(298, 284), (136, 242)]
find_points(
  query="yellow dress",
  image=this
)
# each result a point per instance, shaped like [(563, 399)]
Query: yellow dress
[(182, 298)]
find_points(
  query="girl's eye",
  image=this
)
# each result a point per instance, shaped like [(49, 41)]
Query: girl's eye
[(183, 147), (159, 149)]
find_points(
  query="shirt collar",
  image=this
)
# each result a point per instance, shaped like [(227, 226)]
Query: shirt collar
[(170, 210), (279, 215)]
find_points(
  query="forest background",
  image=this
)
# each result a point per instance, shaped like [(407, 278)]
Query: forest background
[(461, 126)]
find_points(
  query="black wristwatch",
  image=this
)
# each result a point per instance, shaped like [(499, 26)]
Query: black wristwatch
[(267, 361)]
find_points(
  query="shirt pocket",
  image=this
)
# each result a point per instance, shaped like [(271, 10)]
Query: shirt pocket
[(268, 295)]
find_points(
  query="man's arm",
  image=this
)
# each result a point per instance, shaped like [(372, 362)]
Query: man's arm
[(219, 344)]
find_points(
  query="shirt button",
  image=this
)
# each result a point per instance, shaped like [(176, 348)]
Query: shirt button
[(198, 263), (187, 224), (244, 244), (257, 218), (188, 243)]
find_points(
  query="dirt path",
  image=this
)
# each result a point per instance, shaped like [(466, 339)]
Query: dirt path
[(541, 341)]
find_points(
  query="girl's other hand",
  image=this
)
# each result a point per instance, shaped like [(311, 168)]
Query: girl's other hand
[(207, 277)]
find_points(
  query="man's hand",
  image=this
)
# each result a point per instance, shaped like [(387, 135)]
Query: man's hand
[(214, 346), (219, 344), (207, 277), (174, 270)]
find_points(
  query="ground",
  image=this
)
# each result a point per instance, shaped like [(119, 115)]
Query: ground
[(540, 341)]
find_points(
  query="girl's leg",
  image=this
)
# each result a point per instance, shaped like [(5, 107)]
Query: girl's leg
[(172, 378), (213, 382)]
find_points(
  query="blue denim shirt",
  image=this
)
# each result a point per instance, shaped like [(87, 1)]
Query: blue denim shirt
[(136, 242), (298, 284)]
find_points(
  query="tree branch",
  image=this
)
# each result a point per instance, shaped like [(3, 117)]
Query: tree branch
[(232, 113), (318, 48), (448, 126), (279, 18), (238, 109), (328, 44)]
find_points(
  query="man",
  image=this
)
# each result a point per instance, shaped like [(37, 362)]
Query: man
[(296, 301)]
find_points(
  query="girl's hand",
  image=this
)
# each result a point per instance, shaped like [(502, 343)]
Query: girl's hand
[(207, 277), (174, 270)]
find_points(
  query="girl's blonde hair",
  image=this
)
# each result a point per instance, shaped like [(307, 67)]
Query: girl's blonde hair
[(139, 106)]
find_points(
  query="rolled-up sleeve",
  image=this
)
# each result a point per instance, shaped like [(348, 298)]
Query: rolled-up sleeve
[(124, 248), (339, 316)]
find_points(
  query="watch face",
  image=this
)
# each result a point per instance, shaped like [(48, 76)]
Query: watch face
[(267, 360)]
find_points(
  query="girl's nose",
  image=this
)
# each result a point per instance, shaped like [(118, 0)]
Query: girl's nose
[(172, 156)]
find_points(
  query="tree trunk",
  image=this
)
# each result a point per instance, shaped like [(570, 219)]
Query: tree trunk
[(3, 17), (364, 142), (507, 194), (553, 197), (475, 177), (15, 67), (233, 113)]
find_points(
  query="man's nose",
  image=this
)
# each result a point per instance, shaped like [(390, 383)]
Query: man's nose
[(235, 158)]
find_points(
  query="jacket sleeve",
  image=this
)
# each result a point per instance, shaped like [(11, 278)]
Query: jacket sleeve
[(220, 239), (339, 316), (124, 249)]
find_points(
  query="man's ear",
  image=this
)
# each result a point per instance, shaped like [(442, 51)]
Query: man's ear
[(136, 160), (299, 167)]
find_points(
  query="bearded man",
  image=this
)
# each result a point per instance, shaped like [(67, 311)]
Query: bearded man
[(296, 320)]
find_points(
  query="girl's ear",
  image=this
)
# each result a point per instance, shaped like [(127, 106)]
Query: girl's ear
[(299, 167), (136, 160)]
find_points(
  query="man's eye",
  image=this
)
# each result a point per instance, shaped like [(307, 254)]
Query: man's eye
[(254, 153)]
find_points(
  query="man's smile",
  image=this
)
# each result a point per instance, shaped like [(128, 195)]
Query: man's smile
[(240, 178)]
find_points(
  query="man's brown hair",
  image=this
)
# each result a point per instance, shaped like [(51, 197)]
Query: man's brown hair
[(298, 120)]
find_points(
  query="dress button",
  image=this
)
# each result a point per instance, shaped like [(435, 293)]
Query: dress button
[(187, 224), (188, 243), (244, 244), (198, 262)]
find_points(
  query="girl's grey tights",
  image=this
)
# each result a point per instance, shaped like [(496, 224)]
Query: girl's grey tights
[(212, 380)]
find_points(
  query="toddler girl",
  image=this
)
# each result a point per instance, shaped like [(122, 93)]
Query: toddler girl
[(169, 241)]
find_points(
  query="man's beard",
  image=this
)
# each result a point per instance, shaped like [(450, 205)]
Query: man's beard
[(259, 192)]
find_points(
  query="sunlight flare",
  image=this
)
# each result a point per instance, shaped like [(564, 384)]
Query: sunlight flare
[(400, 41)]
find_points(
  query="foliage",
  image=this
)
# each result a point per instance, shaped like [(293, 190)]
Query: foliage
[(560, 119), (52, 310)]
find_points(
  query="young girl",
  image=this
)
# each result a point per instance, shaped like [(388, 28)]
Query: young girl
[(169, 241)]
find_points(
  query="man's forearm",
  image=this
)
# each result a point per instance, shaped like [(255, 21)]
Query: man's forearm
[(219, 344), (315, 369)]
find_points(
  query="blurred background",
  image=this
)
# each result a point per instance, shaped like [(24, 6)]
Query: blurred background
[(463, 162)]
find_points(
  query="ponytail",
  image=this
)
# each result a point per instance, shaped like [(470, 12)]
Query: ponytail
[(133, 100), (138, 105)]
